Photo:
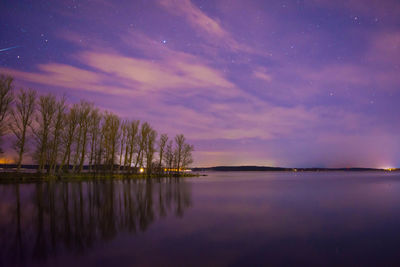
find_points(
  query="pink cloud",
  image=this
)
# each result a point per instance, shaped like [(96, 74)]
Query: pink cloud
[(209, 27), (262, 74), (66, 76), (197, 18), (385, 48)]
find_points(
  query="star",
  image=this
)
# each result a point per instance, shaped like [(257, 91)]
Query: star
[(164, 41)]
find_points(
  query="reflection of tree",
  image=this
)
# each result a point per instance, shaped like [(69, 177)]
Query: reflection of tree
[(15, 249), (75, 216), (39, 250), (18, 238)]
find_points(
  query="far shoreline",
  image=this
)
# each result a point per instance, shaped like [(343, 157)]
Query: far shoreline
[(282, 169), (29, 174)]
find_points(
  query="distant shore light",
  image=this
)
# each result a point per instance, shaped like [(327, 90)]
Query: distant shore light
[(6, 161), (389, 169)]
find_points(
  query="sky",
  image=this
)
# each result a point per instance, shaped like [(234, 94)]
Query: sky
[(302, 83)]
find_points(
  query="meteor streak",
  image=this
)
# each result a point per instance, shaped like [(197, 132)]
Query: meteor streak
[(9, 48)]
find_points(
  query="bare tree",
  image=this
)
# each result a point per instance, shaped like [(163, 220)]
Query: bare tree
[(44, 119), (142, 138), (161, 148), (57, 129), (179, 142), (94, 133), (132, 143), (187, 158), (84, 109), (183, 153), (169, 157), (84, 123), (123, 142), (110, 131), (100, 159), (150, 150), (22, 116), (71, 123), (6, 97)]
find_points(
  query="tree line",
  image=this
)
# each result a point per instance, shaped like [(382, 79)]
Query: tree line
[(66, 138)]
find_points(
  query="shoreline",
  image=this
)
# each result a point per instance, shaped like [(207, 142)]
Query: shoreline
[(11, 177), (281, 169)]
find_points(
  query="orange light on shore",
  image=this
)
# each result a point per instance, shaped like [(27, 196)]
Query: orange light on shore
[(6, 161), (141, 170)]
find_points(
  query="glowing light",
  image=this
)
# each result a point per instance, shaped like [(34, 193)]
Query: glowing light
[(6, 161), (389, 169), (141, 170)]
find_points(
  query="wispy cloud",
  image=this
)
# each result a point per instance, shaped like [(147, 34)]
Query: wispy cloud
[(176, 71), (66, 76), (385, 48), (195, 17), (261, 73), (152, 74), (209, 27)]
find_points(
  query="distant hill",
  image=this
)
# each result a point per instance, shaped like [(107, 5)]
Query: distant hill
[(241, 168), (265, 168)]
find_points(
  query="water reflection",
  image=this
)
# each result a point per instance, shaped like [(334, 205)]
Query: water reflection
[(55, 217)]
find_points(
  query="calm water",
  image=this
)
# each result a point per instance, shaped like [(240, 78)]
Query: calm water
[(252, 218)]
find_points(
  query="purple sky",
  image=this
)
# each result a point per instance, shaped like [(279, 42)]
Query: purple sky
[(299, 83)]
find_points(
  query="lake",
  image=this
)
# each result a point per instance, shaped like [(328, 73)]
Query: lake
[(225, 218)]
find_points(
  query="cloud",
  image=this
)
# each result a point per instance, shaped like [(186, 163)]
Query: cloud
[(261, 73), (171, 79), (130, 75), (210, 28), (197, 18), (160, 74), (385, 48), (67, 76)]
